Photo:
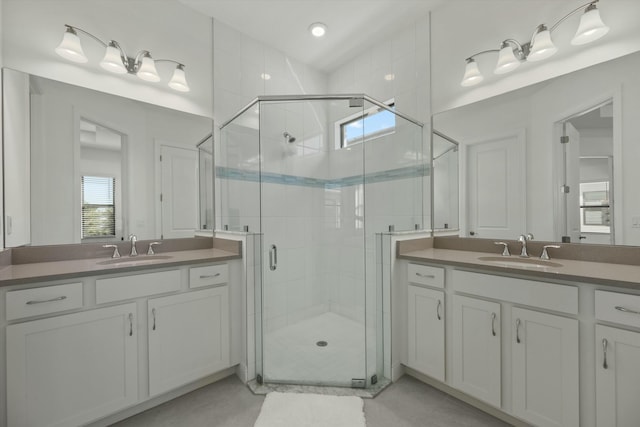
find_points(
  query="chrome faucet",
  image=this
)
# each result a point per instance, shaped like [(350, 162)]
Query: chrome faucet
[(523, 239), (133, 239)]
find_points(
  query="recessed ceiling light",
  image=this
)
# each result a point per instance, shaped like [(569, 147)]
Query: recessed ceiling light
[(318, 29), (265, 76)]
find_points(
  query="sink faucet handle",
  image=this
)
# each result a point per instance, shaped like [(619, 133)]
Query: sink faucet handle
[(505, 252), (529, 236), (545, 254), (151, 245), (116, 254)]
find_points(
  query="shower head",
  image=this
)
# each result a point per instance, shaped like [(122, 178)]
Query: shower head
[(289, 138)]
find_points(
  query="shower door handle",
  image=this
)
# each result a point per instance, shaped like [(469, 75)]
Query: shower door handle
[(273, 258)]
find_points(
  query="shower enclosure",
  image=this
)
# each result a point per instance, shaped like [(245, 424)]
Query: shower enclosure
[(318, 178)]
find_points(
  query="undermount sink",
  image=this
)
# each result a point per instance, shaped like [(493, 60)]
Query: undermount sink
[(519, 262), (128, 261)]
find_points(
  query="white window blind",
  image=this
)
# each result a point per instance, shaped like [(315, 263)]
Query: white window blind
[(98, 206)]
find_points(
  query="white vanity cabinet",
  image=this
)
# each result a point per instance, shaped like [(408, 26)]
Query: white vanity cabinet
[(188, 337), (617, 377), (71, 369), (477, 363), (425, 320), (77, 352), (426, 331), (545, 368), (617, 359)]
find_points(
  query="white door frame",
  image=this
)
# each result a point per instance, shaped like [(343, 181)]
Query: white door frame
[(557, 159)]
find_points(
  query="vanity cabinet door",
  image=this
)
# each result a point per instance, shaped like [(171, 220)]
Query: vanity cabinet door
[(426, 331), (72, 369), (188, 337), (617, 380), (545, 368), (476, 348)]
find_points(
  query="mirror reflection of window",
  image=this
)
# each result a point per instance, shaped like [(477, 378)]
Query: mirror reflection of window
[(101, 158)]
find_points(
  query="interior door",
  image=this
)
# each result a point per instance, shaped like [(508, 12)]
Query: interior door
[(495, 191), (179, 191)]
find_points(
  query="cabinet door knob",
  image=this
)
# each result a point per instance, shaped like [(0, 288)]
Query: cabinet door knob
[(493, 324), (605, 344), (438, 310), (518, 330)]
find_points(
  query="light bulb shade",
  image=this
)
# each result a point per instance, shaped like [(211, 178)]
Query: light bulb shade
[(70, 47), (147, 70), (112, 60), (178, 80), (472, 75), (507, 60), (591, 27), (542, 46)]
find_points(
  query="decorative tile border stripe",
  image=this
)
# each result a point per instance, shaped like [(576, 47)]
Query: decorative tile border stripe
[(371, 178)]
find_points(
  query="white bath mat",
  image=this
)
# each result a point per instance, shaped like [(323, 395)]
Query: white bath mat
[(310, 410)]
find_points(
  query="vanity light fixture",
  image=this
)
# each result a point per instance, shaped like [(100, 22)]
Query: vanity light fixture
[(117, 61), (512, 54)]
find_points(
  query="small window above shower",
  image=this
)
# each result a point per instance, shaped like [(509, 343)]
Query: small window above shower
[(365, 125)]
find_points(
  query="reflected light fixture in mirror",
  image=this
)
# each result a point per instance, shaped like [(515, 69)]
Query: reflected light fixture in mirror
[(116, 60), (511, 53)]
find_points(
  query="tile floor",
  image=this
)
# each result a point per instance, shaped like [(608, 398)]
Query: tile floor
[(292, 354), (229, 403)]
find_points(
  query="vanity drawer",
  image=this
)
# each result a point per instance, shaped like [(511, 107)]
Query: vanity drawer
[(208, 275), (135, 286), (43, 300), (618, 307), (426, 275)]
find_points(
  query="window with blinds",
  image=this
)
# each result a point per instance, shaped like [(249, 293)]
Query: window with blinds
[(98, 206)]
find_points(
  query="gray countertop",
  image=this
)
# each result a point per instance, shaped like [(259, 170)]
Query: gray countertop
[(570, 270), (57, 270)]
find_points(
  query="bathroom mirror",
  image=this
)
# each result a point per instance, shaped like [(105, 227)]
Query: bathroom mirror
[(518, 174), (86, 166)]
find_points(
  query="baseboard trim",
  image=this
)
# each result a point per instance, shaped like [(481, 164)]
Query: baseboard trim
[(158, 400), (466, 398)]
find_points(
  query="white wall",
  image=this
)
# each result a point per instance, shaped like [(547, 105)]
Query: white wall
[(464, 27), (33, 28), (55, 185), (1, 133), (16, 105)]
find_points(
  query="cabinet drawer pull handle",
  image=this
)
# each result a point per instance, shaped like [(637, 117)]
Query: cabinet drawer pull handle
[(47, 300), (153, 313), (209, 276), (130, 324), (493, 324), (605, 344), (426, 276), (438, 310), (626, 310), (273, 257), (518, 331)]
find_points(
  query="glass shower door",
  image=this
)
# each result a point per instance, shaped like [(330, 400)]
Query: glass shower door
[(313, 256)]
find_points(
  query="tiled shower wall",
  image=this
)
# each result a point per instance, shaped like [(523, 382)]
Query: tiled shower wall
[(312, 198)]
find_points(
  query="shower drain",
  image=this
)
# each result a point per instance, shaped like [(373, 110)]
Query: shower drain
[(322, 343)]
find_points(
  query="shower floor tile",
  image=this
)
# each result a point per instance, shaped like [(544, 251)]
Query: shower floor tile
[(291, 354)]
